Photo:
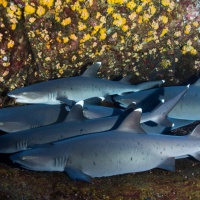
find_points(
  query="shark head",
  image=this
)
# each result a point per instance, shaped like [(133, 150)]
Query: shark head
[(31, 95), (37, 159), (10, 143)]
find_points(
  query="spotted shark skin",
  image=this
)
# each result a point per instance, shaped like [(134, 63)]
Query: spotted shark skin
[(76, 124), (73, 89), (126, 149)]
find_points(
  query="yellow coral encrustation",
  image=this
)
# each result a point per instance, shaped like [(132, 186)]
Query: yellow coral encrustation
[(10, 44), (40, 11), (4, 3), (29, 9), (121, 23), (165, 2), (164, 19), (187, 29), (48, 3), (66, 21), (164, 31)]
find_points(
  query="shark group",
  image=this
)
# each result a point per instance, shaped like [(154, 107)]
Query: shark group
[(63, 129)]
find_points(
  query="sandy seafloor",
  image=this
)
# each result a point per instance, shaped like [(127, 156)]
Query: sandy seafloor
[(17, 183)]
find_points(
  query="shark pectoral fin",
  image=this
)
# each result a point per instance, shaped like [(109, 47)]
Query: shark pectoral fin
[(168, 164), (65, 100), (196, 155), (77, 174), (92, 70), (94, 100)]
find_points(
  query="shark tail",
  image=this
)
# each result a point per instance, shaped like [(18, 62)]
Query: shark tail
[(159, 115), (148, 85), (195, 133)]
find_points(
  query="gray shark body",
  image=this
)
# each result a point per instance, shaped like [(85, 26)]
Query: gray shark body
[(124, 150), (188, 107), (73, 89), (76, 124), (20, 118), (93, 111)]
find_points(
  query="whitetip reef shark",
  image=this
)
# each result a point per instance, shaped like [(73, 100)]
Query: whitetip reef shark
[(126, 149), (73, 89), (76, 124), (18, 118), (187, 108)]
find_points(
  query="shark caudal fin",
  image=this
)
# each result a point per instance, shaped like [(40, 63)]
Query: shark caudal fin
[(131, 121), (76, 113), (195, 133), (159, 115), (148, 85), (126, 79), (92, 70)]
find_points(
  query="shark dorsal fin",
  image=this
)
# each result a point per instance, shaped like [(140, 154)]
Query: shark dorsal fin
[(196, 131), (76, 113), (197, 83), (131, 122), (92, 70), (126, 79)]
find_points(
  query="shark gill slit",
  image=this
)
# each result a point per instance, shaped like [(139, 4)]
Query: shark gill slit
[(22, 144), (60, 161)]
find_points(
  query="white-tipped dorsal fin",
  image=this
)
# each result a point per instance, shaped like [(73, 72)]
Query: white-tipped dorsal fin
[(76, 113), (92, 70), (131, 123)]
